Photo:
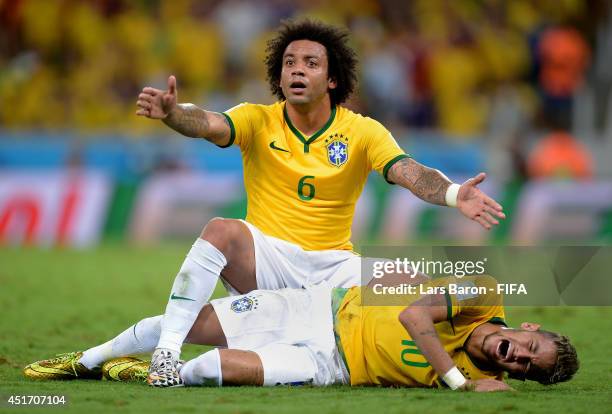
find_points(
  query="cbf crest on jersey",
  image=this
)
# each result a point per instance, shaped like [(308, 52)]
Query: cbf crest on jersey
[(244, 304), (337, 149)]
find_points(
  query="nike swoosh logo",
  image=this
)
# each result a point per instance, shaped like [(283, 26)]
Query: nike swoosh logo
[(180, 297), (115, 371), (50, 370), (274, 147)]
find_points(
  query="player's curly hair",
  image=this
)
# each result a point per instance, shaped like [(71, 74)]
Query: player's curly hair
[(567, 361), (342, 60)]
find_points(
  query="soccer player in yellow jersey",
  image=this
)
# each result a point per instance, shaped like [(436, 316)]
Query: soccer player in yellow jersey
[(306, 159), (400, 345), (323, 335)]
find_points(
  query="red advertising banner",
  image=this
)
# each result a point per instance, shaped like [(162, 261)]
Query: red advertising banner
[(57, 207)]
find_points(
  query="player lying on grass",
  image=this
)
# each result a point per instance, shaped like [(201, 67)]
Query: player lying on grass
[(322, 335)]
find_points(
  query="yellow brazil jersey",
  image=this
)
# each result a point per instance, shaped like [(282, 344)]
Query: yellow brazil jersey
[(304, 189), (379, 351)]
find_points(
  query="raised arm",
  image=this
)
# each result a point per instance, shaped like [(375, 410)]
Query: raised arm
[(434, 187), (186, 118), (419, 319)]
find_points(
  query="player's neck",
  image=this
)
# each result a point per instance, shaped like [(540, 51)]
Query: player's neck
[(473, 346), (309, 118)]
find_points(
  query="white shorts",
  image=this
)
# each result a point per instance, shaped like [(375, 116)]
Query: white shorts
[(280, 264), (290, 329)]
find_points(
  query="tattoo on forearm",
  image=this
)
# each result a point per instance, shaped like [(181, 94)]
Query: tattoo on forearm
[(429, 332), (426, 183), (189, 120)]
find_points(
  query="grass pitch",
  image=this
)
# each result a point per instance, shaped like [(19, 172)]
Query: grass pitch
[(55, 301)]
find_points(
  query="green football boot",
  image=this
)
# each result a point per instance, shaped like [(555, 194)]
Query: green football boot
[(62, 367), (126, 369)]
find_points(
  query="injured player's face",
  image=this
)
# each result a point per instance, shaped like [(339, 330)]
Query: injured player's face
[(523, 353)]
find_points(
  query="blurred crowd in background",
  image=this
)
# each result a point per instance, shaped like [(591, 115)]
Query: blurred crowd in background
[(464, 66), (467, 68)]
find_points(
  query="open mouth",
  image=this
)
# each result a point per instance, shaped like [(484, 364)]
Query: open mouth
[(297, 86), (503, 349)]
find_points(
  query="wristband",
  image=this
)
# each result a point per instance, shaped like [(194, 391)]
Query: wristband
[(454, 378), (451, 195)]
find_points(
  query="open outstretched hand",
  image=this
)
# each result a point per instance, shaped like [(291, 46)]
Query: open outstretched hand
[(156, 103), (478, 206)]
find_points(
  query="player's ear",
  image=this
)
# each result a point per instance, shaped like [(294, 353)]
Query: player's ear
[(530, 326), (331, 83)]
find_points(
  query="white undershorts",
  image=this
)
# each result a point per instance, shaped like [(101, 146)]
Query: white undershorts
[(280, 264), (290, 329)]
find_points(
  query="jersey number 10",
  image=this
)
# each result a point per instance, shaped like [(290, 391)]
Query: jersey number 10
[(412, 349)]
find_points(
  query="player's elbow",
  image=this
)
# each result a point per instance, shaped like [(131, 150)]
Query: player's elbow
[(410, 315)]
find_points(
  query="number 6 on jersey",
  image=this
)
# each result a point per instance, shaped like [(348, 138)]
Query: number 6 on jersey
[(310, 188)]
